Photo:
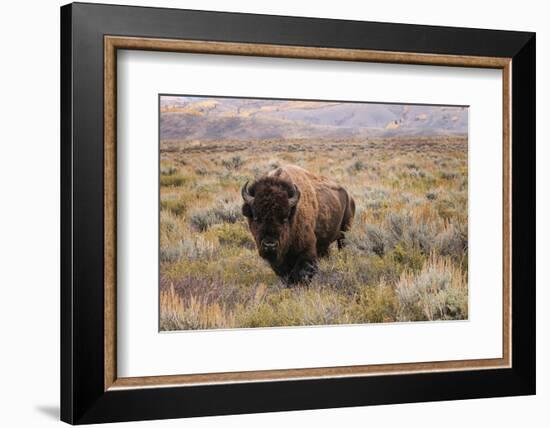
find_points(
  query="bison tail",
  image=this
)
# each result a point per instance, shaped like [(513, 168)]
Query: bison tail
[(347, 220), (349, 213)]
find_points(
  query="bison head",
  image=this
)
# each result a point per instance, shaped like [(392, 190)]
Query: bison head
[(270, 205)]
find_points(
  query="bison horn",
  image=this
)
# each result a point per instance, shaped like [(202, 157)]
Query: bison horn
[(294, 196), (246, 195)]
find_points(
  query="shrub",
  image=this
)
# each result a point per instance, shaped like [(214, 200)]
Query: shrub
[(172, 180), (376, 239), (168, 170), (409, 257), (453, 242), (417, 173), (421, 236), (242, 267), (169, 224), (448, 175), (357, 166), (201, 171), (396, 224), (201, 220), (371, 239), (193, 314), (343, 272), (228, 211), (274, 164), (234, 235), (439, 291), (397, 230), (301, 306), (375, 304), (175, 206), (187, 248), (234, 163), (446, 208), (222, 212), (431, 196), (375, 199)]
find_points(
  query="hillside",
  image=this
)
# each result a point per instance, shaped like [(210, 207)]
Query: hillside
[(209, 118)]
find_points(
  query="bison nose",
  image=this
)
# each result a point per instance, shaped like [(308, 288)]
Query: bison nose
[(269, 244)]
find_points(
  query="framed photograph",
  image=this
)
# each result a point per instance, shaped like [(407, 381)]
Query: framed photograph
[(265, 213)]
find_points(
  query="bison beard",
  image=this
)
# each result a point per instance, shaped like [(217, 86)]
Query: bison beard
[(294, 216)]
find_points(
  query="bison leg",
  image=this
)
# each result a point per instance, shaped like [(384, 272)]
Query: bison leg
[(303, 271), (323, 251), (341, 241)]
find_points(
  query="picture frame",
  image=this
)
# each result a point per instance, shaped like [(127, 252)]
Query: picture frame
[(91, 36)]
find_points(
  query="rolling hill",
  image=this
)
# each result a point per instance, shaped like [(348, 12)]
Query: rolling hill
[(211, 118)]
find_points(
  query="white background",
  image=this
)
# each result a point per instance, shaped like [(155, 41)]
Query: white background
[(142, 351), (29, 214)]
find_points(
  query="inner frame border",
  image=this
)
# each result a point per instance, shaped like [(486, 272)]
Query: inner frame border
[(113, 43)]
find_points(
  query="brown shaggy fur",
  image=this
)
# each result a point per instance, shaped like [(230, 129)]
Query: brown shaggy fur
[(298, 235)]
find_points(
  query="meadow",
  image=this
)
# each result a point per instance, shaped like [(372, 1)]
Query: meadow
[(406, 257)]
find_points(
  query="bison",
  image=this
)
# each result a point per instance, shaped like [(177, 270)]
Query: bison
[(294, 216)]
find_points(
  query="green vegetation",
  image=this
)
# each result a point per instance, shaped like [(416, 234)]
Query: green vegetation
[(406, 258)]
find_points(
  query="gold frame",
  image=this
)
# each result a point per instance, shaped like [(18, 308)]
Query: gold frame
[(113, 43)]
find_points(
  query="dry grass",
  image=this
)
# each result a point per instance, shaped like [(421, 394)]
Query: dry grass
[(438, 291), (407, 253)]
